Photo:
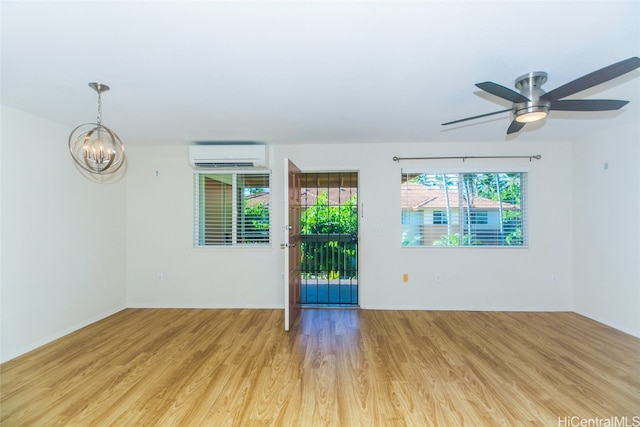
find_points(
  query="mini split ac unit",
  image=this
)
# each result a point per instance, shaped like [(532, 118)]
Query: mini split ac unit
[(228, 156)]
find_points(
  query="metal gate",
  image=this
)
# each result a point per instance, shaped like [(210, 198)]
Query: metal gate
[(329, 235)]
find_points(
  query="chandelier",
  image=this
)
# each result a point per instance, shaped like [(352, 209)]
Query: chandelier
[(93, 146)]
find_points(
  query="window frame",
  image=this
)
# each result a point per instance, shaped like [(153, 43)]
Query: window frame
[(237, 237), (524, 204)]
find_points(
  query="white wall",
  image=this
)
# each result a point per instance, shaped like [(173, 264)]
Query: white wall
[(160, 230), (160, 242), (607, 227), (62, 238)]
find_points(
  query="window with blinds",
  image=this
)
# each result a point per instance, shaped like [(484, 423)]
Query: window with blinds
[(232, 209), (464, 209)]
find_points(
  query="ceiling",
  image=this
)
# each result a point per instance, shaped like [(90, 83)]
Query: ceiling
[(286, 72)]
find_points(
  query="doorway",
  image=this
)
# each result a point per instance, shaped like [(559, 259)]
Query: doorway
[(329, 239)]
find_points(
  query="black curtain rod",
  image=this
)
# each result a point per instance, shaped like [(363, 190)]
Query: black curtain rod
[(463, 158)]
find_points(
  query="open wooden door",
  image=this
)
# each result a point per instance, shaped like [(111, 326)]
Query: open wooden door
[(292, 213)]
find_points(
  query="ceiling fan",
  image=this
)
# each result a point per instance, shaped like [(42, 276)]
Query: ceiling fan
[(533, 103)]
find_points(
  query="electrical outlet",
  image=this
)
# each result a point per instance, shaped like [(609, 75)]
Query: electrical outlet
[(554, 279), (160, 277), (437, 277)]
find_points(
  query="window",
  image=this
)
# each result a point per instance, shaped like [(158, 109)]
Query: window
[(479, 217), (439, 217), (464, 209), (232, 209)]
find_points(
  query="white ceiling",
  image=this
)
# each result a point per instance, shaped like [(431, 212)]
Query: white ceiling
[(310, 71)]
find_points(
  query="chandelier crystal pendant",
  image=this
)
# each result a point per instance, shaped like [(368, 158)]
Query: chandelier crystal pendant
[(93, 146)]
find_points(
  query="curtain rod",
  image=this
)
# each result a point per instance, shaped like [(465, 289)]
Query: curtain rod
[(463, 158)]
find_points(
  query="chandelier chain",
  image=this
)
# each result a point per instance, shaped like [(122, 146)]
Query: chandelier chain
[(99, 108)]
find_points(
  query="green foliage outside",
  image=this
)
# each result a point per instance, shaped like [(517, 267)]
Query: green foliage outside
[(256, 222), (258, 216), (406, 241), (320, 218), (333, 259), (454, 240)]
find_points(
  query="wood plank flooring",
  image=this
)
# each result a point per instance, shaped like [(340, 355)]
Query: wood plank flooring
[(165, 367)]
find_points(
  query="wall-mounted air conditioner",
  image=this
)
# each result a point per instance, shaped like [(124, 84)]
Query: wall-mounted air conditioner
[(228, 156)]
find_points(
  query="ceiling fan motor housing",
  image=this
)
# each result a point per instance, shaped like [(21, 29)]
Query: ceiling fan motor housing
[(530, 86)]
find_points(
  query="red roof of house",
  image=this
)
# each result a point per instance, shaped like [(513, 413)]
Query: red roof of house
[(336, 196), (414, 197), (419, 197), (309, 196)]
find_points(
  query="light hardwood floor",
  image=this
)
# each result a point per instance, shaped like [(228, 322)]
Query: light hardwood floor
[(169, 367)]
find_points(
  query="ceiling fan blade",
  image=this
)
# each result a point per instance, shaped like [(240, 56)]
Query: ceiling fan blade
[(476, 117), (587, 104), (515, 127), (593, 79), (502, 92)]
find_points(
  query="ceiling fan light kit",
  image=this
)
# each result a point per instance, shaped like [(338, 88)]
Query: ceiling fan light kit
[(532, 103), (531, 114), (530, 86)]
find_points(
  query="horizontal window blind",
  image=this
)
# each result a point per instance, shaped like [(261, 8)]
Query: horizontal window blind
[(464, 209), (232, 209)]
